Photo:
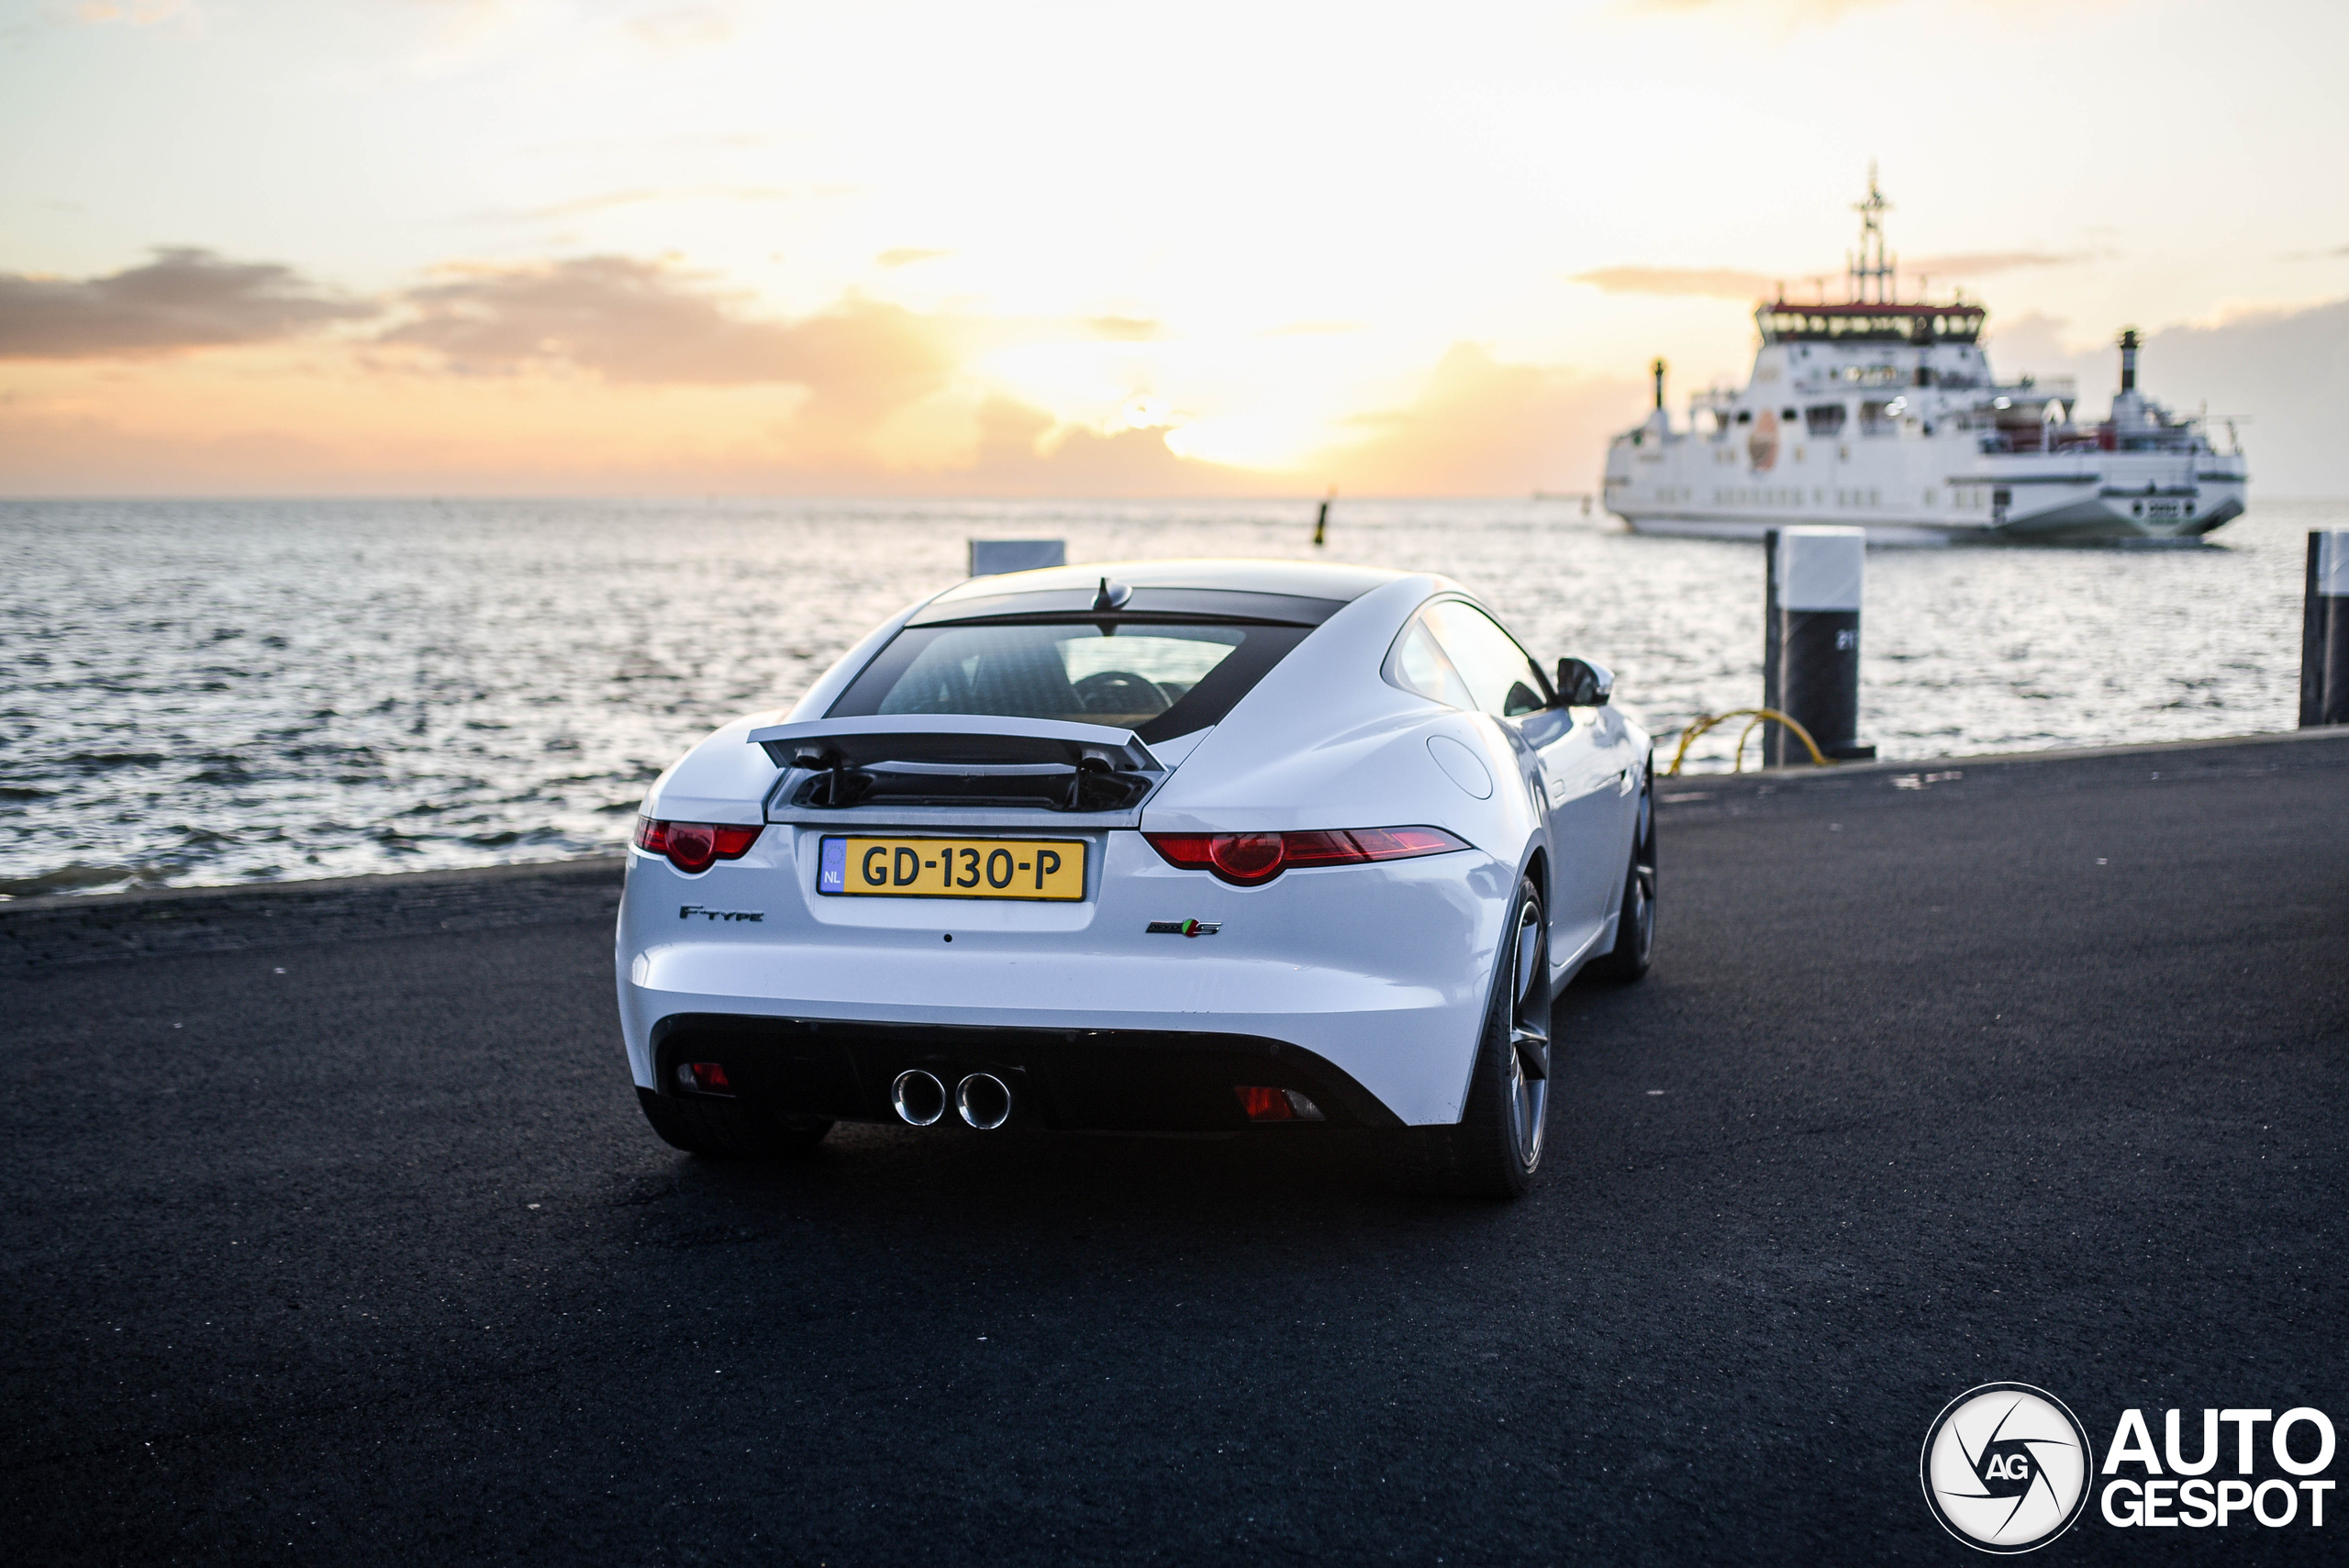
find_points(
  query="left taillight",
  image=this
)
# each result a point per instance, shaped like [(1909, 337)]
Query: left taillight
[(694, 846), (1249, 860)]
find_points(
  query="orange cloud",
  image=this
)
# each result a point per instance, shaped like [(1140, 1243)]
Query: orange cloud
[(634, 321), (1124, 328), (1711, 283), (1481, 426), (139, 13), (582, 207), (291, 421), (1729, 282), (1022, 451), (1823, 10), (1981, 264)]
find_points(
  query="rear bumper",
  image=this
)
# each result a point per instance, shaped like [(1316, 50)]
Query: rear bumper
[(1070, 1080), (1382, 972)]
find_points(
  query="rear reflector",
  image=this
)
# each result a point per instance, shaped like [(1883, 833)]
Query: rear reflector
[(703, 1078), (694, 846), (1247, 860), (1264, 1104)]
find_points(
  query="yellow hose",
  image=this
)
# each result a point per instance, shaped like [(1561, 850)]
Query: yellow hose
[(1754, 715)]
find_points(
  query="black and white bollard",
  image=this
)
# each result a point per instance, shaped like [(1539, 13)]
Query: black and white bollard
[(1810, 658), (2324, 633), (992, 557)]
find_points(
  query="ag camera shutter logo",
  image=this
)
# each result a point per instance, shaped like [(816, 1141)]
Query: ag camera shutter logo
[(2006, 1468)]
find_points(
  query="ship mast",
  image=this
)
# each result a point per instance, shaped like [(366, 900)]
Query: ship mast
[(1872, 264)]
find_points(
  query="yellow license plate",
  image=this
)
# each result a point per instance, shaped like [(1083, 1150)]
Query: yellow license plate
[(1049, 869)]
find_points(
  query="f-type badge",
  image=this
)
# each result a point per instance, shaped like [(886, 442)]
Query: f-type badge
[(1184, 927)]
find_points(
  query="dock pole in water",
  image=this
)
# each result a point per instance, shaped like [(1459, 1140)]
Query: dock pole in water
[(992, 557), (1811, 648), (2324, 633), (1321, 518)]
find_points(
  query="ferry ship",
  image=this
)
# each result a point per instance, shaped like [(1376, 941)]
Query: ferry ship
[(1885, 415)]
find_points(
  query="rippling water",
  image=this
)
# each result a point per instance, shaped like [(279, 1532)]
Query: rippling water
[(207, 691)]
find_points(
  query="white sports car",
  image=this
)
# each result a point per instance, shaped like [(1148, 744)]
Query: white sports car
[(1174, 845)]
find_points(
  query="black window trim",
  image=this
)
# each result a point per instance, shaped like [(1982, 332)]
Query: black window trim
[(1387, 665)]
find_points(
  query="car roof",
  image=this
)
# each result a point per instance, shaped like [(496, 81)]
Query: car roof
[(1335, 583)]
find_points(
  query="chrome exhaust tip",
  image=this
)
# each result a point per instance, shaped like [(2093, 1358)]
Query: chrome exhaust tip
[(920, 1098), (984, 1101)]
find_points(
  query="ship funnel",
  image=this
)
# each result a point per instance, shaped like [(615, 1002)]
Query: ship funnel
[(2128, 359), (1658, 368)]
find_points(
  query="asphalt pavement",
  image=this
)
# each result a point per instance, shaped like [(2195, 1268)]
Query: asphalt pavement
[(331, 1230)]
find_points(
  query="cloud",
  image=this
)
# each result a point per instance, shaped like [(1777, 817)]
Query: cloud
[(630, 320), (1729, 282), (185, 298), (1482, 426), (1124, 328), (138, 13), (907, 255), (684, 27), (2031, 342), (2283, 373), (582, 205), (1023, 452), (1819, 10), (2287, 371), (1981, 264), (393, 442), (1711, 283)]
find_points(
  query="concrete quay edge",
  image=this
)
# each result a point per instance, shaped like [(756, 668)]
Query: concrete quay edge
[(1698, 796), (72, 928)]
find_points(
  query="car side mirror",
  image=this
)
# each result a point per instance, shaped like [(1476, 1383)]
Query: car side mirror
[(1582, 683)]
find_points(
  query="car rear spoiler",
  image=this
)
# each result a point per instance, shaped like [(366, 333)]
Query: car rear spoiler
[(959, 760)]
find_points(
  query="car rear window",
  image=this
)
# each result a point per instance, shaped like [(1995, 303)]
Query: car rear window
[(1158, 679)]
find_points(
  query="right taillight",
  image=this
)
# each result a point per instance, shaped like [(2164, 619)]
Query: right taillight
[(694, 846), (1250, 859)]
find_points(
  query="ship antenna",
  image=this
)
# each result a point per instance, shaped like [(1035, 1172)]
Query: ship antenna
[(1659, 385), (1872, 261)]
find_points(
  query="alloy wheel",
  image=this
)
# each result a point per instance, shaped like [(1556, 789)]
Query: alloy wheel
[(1529, 1030)]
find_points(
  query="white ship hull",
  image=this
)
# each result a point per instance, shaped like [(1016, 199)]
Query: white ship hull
[(1910, 490)]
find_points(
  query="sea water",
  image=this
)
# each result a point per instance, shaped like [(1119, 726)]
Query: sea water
[(200, 692)]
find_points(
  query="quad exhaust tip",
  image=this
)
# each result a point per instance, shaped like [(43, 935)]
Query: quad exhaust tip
[(919, 1098), (984, 1101)]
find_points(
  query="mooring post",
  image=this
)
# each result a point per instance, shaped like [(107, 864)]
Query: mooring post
[(992, 557), (1811, 671), (2324, 632)]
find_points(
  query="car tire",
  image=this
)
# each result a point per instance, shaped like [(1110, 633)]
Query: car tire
[(720, 1131), (1634, 946), (1496, 1148)]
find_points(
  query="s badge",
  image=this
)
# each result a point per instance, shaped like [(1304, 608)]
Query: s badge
[(1184, 927)]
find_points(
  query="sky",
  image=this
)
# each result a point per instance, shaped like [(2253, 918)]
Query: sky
[(408, 247)]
